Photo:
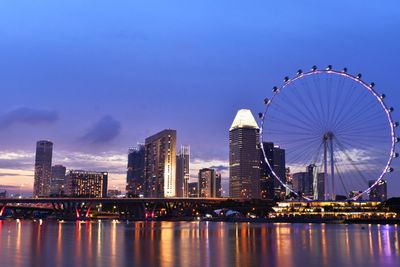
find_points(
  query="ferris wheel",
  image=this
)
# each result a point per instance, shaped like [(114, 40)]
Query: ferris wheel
[(334, 124)]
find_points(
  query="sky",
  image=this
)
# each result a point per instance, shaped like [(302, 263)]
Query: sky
[(98, 77)]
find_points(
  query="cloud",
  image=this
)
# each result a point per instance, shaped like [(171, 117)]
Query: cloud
[(113, 162), (220, 165), (10, 174), (220, 168), (103, 131), (16, 159), (3, 186), (27, 116)]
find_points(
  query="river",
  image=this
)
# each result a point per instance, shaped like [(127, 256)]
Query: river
[(112, 243)]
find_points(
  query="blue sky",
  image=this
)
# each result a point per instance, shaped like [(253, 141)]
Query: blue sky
[(96, 77)]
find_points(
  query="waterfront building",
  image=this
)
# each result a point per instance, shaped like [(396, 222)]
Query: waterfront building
[(80, 183), (57, 180), (207, 183), (42, 178), (114, 193), (244, 156), (182, 171), (160, 164), (378, 192), (310, 184), (270, 187), (218, 184), (135, 177), (193, 189), (289, 182)]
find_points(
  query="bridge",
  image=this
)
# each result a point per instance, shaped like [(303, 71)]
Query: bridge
[(70, 208)]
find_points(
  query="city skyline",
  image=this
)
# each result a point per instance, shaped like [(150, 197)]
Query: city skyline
[(58, 90)]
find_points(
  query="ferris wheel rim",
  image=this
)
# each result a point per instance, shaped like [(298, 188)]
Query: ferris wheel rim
[(368, 87)]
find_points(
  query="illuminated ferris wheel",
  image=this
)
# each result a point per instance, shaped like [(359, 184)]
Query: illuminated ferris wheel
[(335, 123)]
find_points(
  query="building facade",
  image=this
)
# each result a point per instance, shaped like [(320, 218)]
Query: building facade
[(57, 180), (135, 178), (378, 192), (182, 172), (244, 156), (270, 187), (207, 183), (160, 164), (310, 184), (218, 184), (42, 178), (80, 183), (193, 189)]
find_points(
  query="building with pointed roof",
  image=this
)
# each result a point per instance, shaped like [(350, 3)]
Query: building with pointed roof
[(244, 156)]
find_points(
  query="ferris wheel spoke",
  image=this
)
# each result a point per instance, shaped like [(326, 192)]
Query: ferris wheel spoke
[(298, 114), (301, 156), (337, 100), (297, 117), (351, 106), (358, 116), (292, 124), (359, 130), (303, 150), (339, 174), (346, 108), (315, 110), (343, 150), (306, 104)]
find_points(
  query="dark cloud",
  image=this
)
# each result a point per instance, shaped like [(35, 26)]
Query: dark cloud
[(16, 164), (220, 168), (12, 174), (103, 131), (29, 116), (2, 186)]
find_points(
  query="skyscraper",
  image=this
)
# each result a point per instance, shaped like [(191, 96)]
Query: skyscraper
[(135, 178), (244, 156), (379, 192), (310, 183), (57, 180), (160, 164), (42, 180), (218, 184), (193, 189), (80, 183), (207, 183), (270, 186), (182, 172)]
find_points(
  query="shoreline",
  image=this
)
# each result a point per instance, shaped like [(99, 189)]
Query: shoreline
[(229, 220)]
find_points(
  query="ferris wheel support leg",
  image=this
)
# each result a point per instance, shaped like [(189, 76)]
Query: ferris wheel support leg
[(332, 170)]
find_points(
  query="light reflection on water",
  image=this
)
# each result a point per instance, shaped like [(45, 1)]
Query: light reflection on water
[(168, 244)]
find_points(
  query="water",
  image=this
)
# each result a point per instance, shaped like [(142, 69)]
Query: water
[(29, 243)]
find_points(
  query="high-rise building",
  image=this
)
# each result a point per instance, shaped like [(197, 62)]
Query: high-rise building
[(57, 187), (135, 177), (280, 170), (42, 180), (378, 192), (218, 184), (207, 183), (81, 183), (182, 171), (160, 164), (244, 156), (270, 187), (193, 189), (310, 184)]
